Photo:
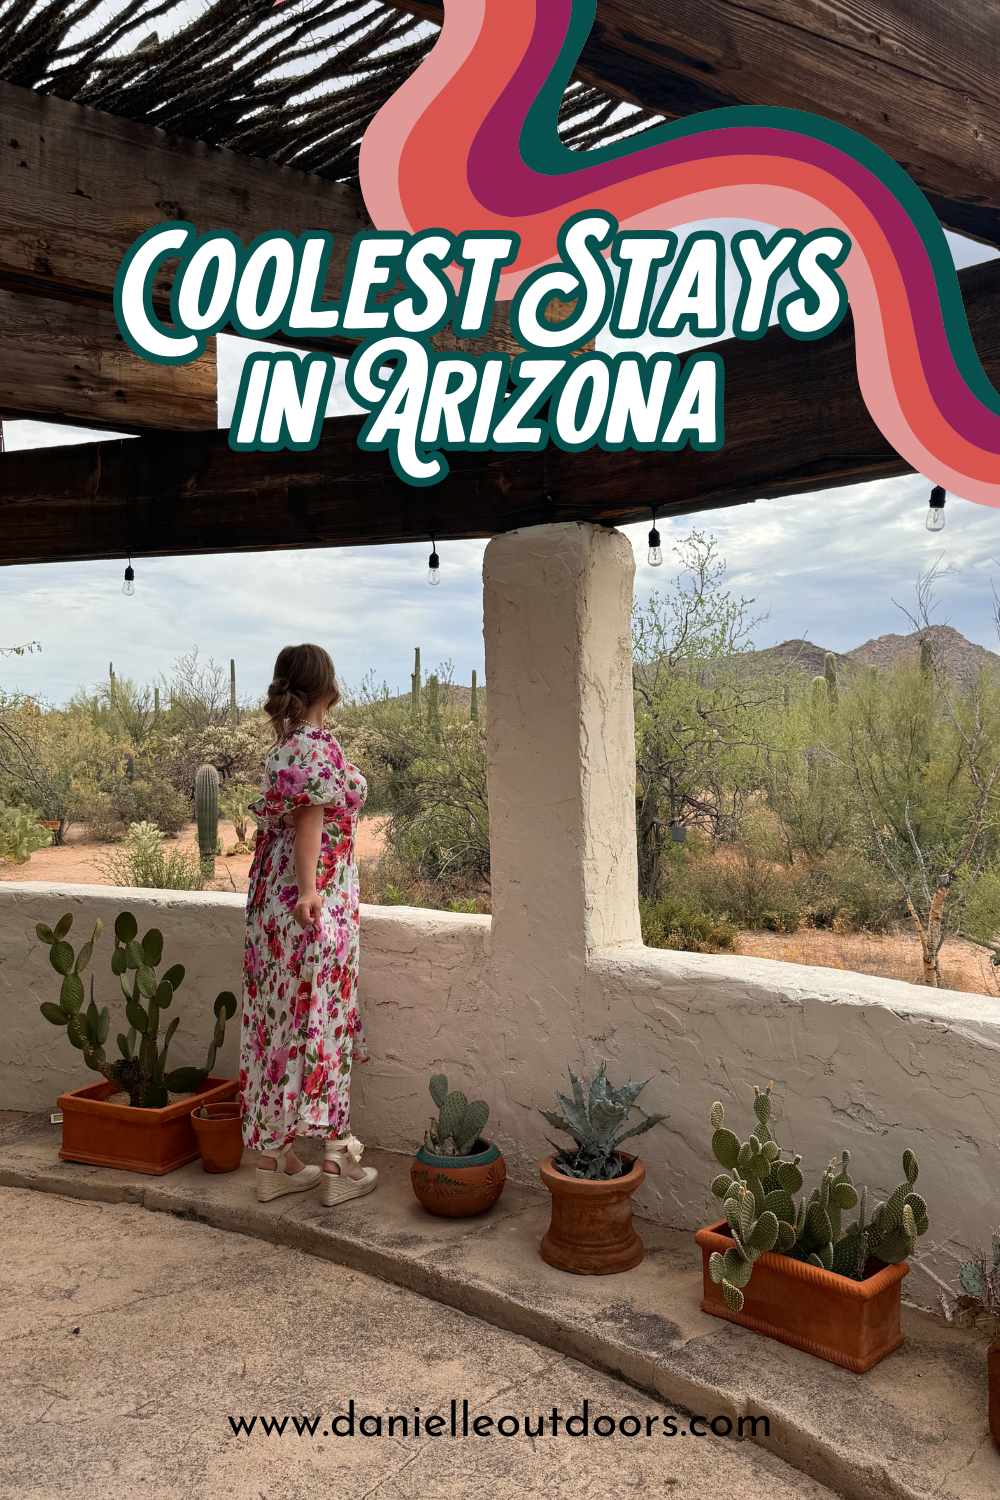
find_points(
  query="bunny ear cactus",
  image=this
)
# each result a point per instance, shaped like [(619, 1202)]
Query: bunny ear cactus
[(757, 1165), (760, 1184), (595, 1123), (459, 1123), (141, 1071), (752, 1236)]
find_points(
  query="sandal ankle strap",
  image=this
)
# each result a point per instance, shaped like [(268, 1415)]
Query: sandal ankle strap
[(349, 1146)]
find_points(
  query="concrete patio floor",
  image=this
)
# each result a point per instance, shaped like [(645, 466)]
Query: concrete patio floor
[(914, 1426), (129, 1340)]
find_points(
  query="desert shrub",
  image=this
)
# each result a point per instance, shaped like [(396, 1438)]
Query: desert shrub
[(101, 818), (741, 883), (140, 860), (234, 803), (846, 893), (672, 923), (122, 803), (52, 759), (426, 771), (238, 754)]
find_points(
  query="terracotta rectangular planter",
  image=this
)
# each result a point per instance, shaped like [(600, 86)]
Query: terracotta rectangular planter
[(152, 1141), (850, 1323)]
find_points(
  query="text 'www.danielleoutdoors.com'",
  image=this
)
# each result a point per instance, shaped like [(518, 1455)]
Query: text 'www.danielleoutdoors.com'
[(461, 1423)]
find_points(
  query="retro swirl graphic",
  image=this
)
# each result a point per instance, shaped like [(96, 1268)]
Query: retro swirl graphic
[(470, 142)]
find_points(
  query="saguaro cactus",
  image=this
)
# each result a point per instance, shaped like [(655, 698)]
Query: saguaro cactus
[(474, 704), (234, 713), (926, 656), (433, 715), (206, 804), (415, 686), (830, 674)]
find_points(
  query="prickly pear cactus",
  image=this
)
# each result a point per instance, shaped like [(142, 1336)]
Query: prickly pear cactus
[(759, 1183), (459, 1123), (141, 1070)]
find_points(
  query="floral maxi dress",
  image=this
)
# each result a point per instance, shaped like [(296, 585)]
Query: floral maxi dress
[(301, 1030)]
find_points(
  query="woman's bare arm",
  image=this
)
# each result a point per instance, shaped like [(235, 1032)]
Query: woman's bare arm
[(308, 824)]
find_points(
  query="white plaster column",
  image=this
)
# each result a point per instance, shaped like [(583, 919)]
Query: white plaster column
[(557, 624)]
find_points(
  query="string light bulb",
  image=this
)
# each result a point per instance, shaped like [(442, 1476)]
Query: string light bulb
[(128, 587), (655, 554), (433, 565), (935, 509)]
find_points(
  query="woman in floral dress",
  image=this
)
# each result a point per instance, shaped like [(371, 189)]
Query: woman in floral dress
[(301, 1031)]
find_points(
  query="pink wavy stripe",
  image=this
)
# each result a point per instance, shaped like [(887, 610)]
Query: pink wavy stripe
[(445, 152)]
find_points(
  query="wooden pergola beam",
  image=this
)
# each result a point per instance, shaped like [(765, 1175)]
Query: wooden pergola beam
[(66, 363), (921, 79), (795, 422), (78, 186)]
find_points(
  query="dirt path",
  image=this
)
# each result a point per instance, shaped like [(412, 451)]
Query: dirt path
[(78, 861)]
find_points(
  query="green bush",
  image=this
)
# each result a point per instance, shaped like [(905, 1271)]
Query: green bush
[(123, 803), (846, 893), (672, 923), (141, 861)]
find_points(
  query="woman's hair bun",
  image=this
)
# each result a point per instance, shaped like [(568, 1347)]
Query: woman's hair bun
[(303, 675)]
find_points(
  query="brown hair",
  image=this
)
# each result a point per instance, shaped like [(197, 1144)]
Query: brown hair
[(302, 674)]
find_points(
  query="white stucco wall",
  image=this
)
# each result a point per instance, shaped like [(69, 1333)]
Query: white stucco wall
[(868, 1064)]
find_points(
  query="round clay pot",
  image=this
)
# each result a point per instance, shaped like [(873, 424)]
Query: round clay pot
[(591, 1232), (220, 1137), (993, 1366), (456, 1187)]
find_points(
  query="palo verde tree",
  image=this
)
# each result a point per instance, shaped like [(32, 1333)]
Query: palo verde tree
[(925, 758), (698, 712)]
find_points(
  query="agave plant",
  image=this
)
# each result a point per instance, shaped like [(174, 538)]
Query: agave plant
[(595, 1122), (980, 1279)]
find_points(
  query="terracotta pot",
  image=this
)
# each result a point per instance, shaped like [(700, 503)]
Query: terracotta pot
[(993, 1366), (456, 1187), (152, 1141), (591, 1232), (220, 1137), (850, 1323)]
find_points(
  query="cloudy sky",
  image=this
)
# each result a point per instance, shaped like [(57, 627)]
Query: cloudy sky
[(825, 566)]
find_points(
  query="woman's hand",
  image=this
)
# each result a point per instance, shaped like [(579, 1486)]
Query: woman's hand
[(309, 908)]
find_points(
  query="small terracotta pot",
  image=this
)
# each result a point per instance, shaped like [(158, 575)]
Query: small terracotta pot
[(152, 1141), (457, 1187), (220, 1137), (850, 1323), (993, 1366), (591, 1232)]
